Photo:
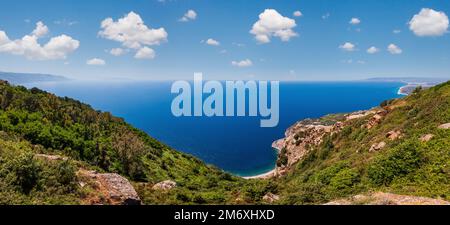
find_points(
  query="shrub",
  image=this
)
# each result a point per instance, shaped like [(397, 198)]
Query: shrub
[(400, 161)]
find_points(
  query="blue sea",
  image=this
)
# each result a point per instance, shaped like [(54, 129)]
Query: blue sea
[(235, 144)]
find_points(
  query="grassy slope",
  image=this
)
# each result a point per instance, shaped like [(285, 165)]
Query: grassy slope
[(343, 166), (33, 121)]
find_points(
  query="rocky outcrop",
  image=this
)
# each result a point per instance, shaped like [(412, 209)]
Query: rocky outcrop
[(110, 188), (271, 198), (376, 119), (381, 198), (377, 147), (426, 137), (444, 126), (51, 157), (305, 135), (165, 185), (394, 135), (299, 138)]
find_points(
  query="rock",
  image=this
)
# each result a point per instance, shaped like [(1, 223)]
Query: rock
[(426, 137), (52, 157), (165, 185), (376, 119), (115, 189), (271, 198), (381, 198), (444, 126), (377, 147), (394, 135)]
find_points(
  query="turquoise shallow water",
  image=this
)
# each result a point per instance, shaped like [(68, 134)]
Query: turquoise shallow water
[(236, 144)]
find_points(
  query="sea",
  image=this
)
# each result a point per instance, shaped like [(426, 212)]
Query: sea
[(235, 144)]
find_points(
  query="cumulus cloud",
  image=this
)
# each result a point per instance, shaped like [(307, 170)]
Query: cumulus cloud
[(40, 30), (429, 23), (117, 51), (145, 53), (212, 42), (355, 21), (56, 48), (347, 46), (188, 16), (373, 50), (132, 33), (297, 13), (394, 49), (96, 62), (271, 23), (242, 63)]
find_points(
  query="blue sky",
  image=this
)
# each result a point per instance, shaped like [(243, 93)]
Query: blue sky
[(312, 49)]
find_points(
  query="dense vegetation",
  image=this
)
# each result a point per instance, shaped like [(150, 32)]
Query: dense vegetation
[(36, 122), (343, 166), (33, 121)]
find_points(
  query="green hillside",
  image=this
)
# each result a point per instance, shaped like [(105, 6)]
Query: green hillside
[(343, 165), (34, 122)]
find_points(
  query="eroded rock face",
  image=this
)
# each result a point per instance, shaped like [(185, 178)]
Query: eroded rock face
[(381, 198), (271, 198), (444, 126), (115, 189), (165, 185), (300, 139)]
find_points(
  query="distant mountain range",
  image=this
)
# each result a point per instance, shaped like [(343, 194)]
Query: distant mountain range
[(23, 78), (410, 80), (411, 83)]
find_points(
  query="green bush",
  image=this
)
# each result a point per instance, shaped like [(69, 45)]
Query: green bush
[(400, 161)]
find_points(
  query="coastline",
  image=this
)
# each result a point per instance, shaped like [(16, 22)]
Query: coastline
[(266, 175)]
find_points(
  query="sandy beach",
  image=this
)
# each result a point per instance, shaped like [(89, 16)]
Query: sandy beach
[(267, 175)]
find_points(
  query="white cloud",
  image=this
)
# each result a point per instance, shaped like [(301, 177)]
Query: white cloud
[(394, 49), (56, 48), (242, 63), (188, 16), (355, 21), (373, 50), (326, 16), (117, 51), (396, 31), (96, 62), (429, 23), (145, 53), (271, 23), (132, 32), (297, 14), (40, 30), (347, 46), (213, 42)]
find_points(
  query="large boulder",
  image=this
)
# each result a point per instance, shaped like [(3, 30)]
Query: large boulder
[(113, 188)]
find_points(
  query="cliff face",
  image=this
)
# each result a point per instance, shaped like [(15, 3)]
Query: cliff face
[(308, 134)]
